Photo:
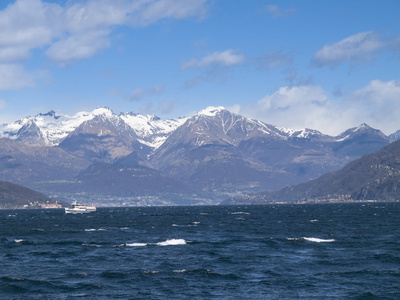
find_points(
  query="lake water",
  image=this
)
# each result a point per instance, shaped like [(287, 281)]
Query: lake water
[(320, 251)]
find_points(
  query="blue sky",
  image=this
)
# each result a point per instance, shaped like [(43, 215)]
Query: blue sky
[(325, 65)]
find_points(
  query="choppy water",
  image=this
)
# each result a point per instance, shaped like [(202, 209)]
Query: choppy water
[(329, 251)]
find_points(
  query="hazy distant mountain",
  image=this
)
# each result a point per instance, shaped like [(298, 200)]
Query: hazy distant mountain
[(374, 176), (395, 136), (215, 153), (24, 163)]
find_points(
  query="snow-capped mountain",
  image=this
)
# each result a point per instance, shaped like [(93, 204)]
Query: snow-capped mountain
[(52, 128), (215, 151), (151, 130), (218, 144)]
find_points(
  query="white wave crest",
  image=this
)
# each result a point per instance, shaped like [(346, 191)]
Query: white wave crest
[(179, 271), (136, 244), (92, 229), (172, 242), (311, 239), (19, 240), (239, 213), (317, 240)]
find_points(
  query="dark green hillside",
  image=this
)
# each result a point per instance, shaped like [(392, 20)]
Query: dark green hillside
[(16, 196)]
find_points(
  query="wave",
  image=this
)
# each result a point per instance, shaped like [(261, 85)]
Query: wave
[(239, 213), (189, 225), (136, 244), (93, 229), (317, 240), (92, 245), (311, 239), (171, 242)]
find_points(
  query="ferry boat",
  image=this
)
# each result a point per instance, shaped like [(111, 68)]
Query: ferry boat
[(79, 209)]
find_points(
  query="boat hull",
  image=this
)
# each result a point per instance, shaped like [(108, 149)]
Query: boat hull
[(79, 209)]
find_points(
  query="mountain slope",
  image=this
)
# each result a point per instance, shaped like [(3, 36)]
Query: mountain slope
[(375, 176), (13, 196), (23, 163), (104, 138)]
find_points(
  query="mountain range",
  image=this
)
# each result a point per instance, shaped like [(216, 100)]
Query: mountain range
[(144, 160)]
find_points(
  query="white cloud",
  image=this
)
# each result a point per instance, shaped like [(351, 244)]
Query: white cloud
[(377, 104), (14, 76), (293, 107), (380, 92), (227, 58), (78, 46), (79, 29), (359, 47), (24, 26)]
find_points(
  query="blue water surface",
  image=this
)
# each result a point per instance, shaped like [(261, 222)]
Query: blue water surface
[(319, 251)]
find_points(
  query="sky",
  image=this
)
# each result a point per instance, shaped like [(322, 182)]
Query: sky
[(325, 65)]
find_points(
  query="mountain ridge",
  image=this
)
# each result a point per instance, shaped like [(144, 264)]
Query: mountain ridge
[(214, 153)]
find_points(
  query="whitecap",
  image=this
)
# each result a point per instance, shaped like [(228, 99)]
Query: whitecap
[(19, 240), (239, 213), (315, 220), (151, 272), (311, 239), (179, 271), (172, 242), (93, 229), (136, 244), (317, 240)]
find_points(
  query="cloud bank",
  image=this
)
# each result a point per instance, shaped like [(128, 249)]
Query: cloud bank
[(310, 106)]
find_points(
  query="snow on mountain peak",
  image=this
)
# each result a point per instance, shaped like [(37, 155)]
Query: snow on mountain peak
[(152, 130), (211, 111), (103, 110)]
